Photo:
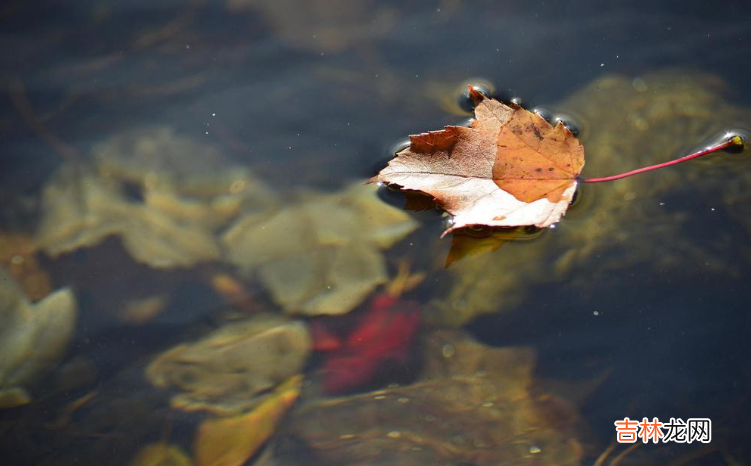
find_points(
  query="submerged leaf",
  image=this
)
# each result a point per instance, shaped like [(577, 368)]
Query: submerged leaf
[(232, 440), (33, 338), (163, 194), (321, 255), (229, 370)]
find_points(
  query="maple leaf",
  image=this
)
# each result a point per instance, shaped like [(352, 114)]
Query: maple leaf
[(509, 168)]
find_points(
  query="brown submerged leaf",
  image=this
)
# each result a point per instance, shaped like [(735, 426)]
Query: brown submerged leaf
[(510, 168)]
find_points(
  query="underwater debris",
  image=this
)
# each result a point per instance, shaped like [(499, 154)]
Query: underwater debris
[(33, 338), (229, 370), (472, 404), (321, 255), (140, 311), (18, 253)]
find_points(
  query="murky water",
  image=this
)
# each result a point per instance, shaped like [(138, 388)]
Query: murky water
[(193, 273)]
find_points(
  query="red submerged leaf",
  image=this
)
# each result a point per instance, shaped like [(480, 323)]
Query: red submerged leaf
[(385, 333)]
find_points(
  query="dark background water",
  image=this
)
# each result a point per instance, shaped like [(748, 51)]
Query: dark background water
[(313, 94)]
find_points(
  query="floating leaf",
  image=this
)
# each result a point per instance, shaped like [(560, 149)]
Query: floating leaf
[(510, 168)]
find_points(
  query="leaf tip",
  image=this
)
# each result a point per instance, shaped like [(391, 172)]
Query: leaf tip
[(476, 95)]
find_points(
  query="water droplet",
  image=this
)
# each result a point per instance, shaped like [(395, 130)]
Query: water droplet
[(740, 137), (544, 113), (465, 100), (568, 121)]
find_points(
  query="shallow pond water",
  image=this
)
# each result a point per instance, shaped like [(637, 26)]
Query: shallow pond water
[(189, 177)]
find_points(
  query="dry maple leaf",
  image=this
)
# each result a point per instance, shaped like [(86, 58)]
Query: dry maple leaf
[(509, 168)]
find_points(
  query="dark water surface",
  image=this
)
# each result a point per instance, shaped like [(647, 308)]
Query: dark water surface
[(653, 322)]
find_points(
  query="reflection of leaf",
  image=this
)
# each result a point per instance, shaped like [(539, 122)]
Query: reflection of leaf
[(321, 255), (472, 405), (510, 168), (232, 440)]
